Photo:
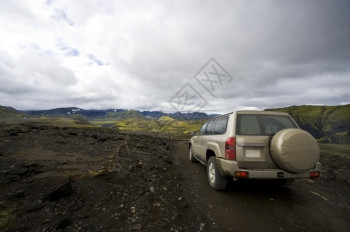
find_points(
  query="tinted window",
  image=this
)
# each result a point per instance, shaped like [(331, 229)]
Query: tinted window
[(220, 125), (208, 131), (272, 124), (201, 131), (262, 124), (248, 125)]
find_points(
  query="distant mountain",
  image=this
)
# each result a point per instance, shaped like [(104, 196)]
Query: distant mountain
[(189, 116), (115, 113), (10, 113), (65, 112), (326, 123)]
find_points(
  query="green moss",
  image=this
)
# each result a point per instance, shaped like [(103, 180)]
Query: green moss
[(7, 220)]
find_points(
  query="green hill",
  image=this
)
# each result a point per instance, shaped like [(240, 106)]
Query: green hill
[(10, 113), (125, 114), (163, 124), (326, 123)]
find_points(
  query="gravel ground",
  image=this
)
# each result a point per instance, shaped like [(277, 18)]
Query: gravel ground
[(99, 179)]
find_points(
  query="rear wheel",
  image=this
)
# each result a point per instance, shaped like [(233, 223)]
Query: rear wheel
[(216, 180), (191, 156)]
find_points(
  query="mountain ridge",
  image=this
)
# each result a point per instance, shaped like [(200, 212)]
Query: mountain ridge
[(115, 113), (330, 124)]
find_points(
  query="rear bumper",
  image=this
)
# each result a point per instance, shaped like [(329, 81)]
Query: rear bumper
[(229, 167)]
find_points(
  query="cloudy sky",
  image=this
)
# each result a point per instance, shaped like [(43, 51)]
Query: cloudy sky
[(212, 56)]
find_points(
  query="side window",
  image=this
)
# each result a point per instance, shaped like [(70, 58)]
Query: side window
[(209, 131), (248, 125), (202, 130), (220, 126)]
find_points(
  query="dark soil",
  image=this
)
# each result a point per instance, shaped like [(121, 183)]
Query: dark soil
[(99, 179), (70, 179)]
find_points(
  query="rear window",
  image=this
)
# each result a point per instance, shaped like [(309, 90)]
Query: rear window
[(248, 125), (262, 124)]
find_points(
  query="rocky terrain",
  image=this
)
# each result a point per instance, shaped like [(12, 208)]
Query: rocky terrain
[(55, 178), (69, 179)]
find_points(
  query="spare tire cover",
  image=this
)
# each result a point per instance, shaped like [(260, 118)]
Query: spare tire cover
[(294, 150)]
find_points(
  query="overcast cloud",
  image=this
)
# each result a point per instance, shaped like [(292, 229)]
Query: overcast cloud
[(140, 54)]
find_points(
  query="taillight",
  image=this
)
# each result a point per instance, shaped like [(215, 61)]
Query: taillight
[(314, 174), (230, 148), (241, 174)]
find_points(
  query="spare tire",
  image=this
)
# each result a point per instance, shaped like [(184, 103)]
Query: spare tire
[(294, 150)]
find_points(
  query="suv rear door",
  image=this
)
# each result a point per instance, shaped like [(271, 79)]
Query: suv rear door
[(253, 134)]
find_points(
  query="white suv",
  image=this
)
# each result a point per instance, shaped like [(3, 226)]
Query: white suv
[(255, 144)]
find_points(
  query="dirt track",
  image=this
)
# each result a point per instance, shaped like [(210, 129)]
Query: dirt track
[(71, 179), (307, 205)]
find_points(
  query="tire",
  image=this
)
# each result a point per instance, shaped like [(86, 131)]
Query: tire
[(294, 150), (216, 180), (191, 156)]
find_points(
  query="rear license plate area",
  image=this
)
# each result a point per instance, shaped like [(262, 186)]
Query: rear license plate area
[(252, 153)]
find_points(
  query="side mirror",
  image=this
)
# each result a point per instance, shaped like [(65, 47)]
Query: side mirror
[(193, 133)]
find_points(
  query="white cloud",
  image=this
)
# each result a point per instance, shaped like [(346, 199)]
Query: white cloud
[(139, 54)]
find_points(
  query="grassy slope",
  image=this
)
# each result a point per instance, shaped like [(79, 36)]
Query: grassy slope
[(125, 114), (10, 113), (164, 123), (328, 123)]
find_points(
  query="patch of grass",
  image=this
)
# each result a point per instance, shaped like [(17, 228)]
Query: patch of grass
[(7, 220), (165, 123), (339, 147), (335, 149)]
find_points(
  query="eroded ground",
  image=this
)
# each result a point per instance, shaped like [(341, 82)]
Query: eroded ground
[(57, 178), (94, 179)]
